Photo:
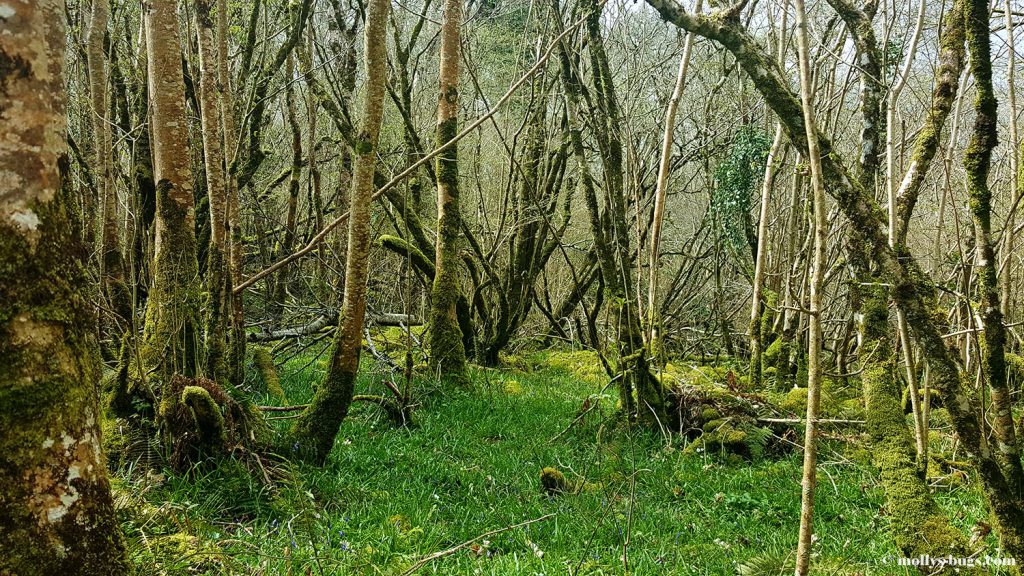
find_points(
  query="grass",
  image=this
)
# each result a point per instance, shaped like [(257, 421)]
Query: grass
[(389, 496)]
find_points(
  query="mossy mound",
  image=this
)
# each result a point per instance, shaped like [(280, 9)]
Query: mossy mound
[(718, 419), (554, 483), (836, 402), (200, 420), (583, 365)]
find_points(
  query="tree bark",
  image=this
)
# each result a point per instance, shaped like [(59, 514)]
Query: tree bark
[(213, 155), (56, 511), (815, 336), (172, 316), (315, 431), (447, 352)]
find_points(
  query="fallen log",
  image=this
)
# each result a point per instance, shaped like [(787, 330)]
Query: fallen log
[(330, 319)]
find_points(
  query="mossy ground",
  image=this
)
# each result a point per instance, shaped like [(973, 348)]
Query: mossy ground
[(388, 496)]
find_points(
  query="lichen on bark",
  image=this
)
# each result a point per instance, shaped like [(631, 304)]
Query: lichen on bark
[(56, 512)]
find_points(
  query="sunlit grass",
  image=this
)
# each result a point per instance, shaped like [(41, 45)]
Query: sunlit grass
[(389, 496)]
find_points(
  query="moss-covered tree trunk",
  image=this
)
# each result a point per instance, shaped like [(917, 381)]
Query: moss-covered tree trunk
[(213, 155), (977, 162), (447, 352), (171, 337), (56, 511), (314, 432), (918, 525)]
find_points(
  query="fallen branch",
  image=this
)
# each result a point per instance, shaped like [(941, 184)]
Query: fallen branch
[(803, 420), (426, 559), (282, 408), (329, 319)]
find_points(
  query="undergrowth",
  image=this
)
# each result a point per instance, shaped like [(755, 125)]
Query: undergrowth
[(471, 464)]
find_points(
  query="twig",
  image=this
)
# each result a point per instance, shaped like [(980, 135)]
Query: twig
[(803, 420), (282, 408), (423, 561)]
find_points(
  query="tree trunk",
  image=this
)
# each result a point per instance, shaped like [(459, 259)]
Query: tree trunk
[(815, 337), (283, 279), (314, 432), (236, 355), (172, 315), (216, 263), (55, 503), (661, 193), (447, 352), (115, 290), (977, 162)]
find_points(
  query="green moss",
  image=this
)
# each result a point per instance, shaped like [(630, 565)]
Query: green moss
[(447, 349), (917, 523), (553, 482), (208, 418), (264, 361), (583, 365)]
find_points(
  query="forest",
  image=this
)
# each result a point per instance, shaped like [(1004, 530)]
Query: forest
[(511, 287)]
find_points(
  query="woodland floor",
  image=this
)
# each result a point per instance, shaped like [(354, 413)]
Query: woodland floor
[(389, 496)]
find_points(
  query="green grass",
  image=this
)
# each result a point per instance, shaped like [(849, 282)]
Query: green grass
[(389, 496)]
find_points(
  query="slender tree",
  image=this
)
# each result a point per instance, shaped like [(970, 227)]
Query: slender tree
[(661, 190), (56, 511), (216, 189), (447, 352), (112, 273), (815, 337), (315, 430), (236, 355)]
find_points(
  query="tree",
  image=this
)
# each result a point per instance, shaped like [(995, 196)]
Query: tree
[(56, 511), (315, 430), (216, 189), (172, 314), (447, 352), (111, 262), (815, 337)]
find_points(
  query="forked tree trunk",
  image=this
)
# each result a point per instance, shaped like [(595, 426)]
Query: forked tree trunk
[(56, 511), (172, 315), (447, 352), (314, 432)]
